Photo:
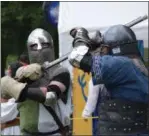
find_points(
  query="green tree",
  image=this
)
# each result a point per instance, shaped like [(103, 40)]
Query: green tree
[(18, 19)]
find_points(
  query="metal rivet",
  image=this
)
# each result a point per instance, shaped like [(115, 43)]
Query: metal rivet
[(110, 129), (129, 107), (114, 104), (114, 128), (129, 129), (104, 128), (110, 105), (124, 129), (124, 118), (138, 112), (113, 117), (136, 124), (124, 107)]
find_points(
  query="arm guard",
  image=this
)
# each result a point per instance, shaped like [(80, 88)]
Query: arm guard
[(60, 82)]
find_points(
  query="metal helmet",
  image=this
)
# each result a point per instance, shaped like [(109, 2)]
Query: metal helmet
[(121, 40), (40, 46)]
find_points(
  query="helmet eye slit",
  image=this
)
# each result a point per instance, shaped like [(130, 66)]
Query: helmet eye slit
[(33, 46), (46, 45)]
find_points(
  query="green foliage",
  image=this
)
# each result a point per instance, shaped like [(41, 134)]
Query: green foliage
[(18, 18), (10, 59)]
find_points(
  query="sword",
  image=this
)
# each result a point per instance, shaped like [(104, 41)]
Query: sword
[(65, 57), (137, 21)]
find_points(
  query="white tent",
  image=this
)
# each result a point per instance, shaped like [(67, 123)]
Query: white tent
[(99, 15)]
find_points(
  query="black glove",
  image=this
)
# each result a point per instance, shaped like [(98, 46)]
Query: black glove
[(96, 39), (80, 35)]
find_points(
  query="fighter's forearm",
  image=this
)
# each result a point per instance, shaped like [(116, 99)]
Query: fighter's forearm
[(40, 94), (60, 83), (35, 94)]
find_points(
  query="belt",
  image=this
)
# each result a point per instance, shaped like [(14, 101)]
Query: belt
[(122, 117), (15, 122), (66, 130)]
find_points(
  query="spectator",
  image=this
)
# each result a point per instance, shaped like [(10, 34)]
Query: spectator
[(9, 113), (22, 61), (9, 120)]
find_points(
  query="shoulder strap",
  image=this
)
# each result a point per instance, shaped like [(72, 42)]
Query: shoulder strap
[(56, 118)]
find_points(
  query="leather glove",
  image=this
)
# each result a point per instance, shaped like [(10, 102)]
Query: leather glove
[(32, 72), (96, 39), (11, 87)]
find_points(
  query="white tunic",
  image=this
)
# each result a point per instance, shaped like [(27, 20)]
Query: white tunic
[(46, 121), (92, 98), (9, 112)]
